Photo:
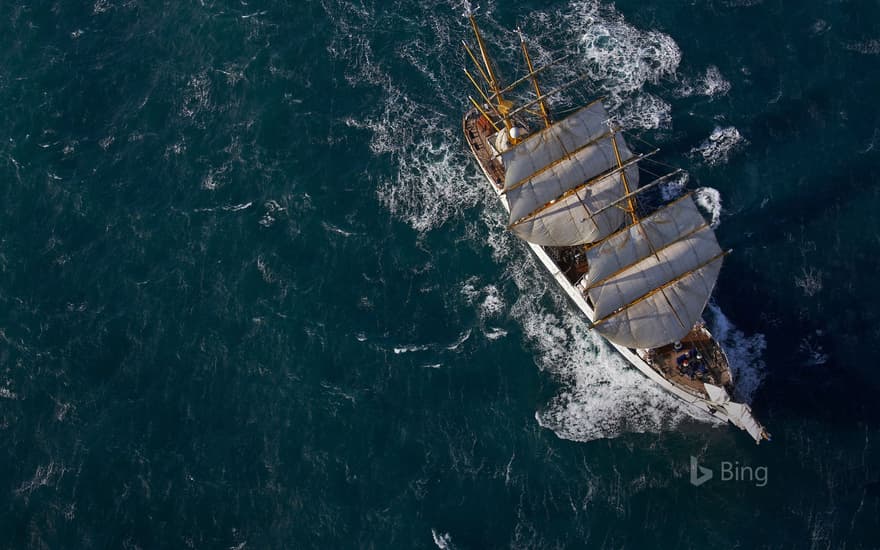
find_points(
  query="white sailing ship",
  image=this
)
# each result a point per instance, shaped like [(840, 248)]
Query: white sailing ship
[(571, 187)]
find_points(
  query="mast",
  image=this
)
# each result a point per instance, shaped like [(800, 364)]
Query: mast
[(629, 202), (555, 91), (502, 105), (641, 189), (535, 73), (544, 114)]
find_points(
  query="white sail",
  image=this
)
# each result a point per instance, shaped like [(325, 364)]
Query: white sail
[(557, 178), (650, 282)]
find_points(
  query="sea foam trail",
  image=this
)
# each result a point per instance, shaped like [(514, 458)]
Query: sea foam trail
[(434, 182)]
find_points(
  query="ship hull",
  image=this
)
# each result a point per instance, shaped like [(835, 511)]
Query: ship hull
[(718, 404)]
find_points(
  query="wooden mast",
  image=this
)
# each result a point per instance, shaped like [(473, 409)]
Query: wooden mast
[(502, 105), (631, 207), (544, 113), (630, 202)]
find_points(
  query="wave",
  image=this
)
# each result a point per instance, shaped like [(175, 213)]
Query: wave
[(710, 200), (745, 353), (710, 84), (721, 143)]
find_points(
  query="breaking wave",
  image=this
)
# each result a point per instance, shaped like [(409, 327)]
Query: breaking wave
[(745, 353), (710, 84), (710, 200), (721, 143)]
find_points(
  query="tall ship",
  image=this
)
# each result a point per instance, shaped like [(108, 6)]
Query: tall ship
[(572, 189)]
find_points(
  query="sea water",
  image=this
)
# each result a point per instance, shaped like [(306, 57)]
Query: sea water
[(256, 294)]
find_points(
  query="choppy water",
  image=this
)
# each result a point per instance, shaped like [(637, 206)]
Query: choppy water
[(253, 292)]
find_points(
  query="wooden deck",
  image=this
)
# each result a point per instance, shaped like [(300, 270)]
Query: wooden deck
[(706, 363), (477, 136)]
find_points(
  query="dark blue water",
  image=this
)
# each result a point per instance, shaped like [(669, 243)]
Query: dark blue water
[(255, 294)]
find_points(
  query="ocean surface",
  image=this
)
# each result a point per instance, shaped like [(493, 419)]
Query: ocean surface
[(255, 294)]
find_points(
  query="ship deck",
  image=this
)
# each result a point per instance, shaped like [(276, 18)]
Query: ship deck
[(477, 134), (706, 362), (697, 360)]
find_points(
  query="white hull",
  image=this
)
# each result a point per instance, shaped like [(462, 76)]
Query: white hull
[(719, 403)]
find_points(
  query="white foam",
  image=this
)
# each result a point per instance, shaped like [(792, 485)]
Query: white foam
[(462, 338), (620, 59), (601, 395), (710, 84), (101, 6), (6, 393), (238, 207), (745, 353), (272, 207), (494, 333), (433, 180), (197, 96), (43, 476), (721, 143), (867, 47), (710, 200), (492, 304), (330, 228), (265, 271), (410, 348), (820, 26), (673, 188), (813, 350), (645, 111), (442, 540)]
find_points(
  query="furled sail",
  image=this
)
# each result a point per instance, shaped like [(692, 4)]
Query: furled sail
[(650, 281), (556, 179)]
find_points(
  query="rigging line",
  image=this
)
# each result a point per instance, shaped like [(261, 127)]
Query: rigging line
[(638, 190), (637, 222), (626, 228), (550, 93), (535, 72), (545, 114), (648, 143)]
